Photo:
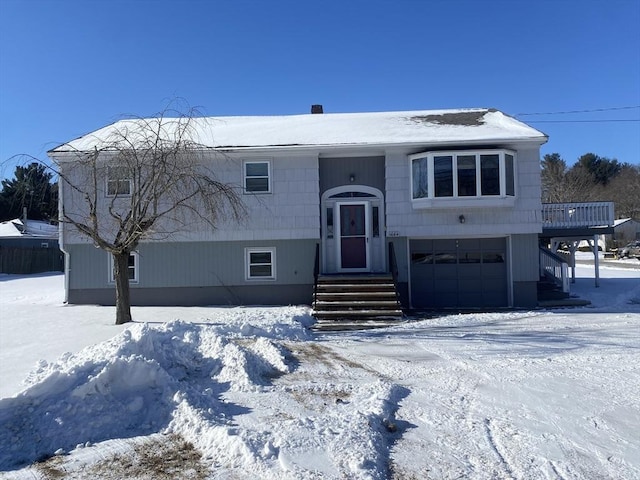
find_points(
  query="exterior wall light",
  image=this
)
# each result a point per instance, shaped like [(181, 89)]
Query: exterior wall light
[(352, 177), (462, 219)]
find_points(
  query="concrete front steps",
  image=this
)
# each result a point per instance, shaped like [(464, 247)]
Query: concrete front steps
[(355, 301)]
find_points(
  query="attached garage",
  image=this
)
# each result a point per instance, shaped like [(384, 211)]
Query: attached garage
[(459, 273)]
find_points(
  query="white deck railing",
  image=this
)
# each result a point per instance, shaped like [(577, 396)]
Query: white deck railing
[(577, 214), (555, 267)]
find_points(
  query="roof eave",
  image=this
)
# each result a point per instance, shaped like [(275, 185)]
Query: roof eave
[(57, 154), (390, 145)]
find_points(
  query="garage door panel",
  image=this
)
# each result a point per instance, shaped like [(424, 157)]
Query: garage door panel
[(473, 271), (494, 299), (442, 274), (470, 299), (444, 299), (447, 285), (469, 284)]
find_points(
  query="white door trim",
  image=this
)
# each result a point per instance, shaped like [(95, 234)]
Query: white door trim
[(367, 235), (376, 255)]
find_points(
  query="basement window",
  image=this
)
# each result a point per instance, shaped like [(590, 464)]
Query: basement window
[(133, 268), (260, 263)]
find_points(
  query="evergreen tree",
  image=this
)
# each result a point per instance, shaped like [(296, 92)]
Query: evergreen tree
[(602, 169), (31, 187)]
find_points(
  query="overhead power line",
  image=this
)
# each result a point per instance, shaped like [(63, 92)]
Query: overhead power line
[(586, 121), (593, 110)]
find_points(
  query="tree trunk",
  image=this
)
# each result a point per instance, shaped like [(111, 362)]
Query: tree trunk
[(123, 299)]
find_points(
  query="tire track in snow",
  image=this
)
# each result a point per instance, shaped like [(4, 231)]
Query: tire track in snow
[(497, 449), (554, 469), (372, 400)]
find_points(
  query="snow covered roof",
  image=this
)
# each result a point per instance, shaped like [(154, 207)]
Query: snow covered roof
[(620, 221), (11, 228), (330, 129), (30, 228)]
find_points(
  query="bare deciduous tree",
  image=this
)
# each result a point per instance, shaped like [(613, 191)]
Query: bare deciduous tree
[(552, 176), (592, 178), (625, 191), (139, 179)]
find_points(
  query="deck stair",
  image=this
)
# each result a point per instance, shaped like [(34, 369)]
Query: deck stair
[(356, 298), (549, 290)]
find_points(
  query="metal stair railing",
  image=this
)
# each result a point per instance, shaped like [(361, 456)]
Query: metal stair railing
[(393, 266), (316, 274)]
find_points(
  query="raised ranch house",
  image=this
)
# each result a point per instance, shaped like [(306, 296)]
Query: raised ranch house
[(444, 202)]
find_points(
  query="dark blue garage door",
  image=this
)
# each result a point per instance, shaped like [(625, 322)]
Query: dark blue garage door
[(466, 273)]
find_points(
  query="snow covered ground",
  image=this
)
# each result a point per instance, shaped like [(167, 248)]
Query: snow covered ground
[(239, 393)]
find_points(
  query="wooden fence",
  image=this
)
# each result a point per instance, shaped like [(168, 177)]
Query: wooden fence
[(16, 260)]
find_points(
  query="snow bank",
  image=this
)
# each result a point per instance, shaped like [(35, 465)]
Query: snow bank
[(536, 395), (166, 377)]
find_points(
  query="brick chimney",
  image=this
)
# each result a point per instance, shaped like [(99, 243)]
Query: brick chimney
[(316, 109)]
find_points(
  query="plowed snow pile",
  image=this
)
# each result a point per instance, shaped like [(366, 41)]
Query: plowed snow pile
[(251, 393)]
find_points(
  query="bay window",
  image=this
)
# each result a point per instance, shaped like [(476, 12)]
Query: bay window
[(463, 178)]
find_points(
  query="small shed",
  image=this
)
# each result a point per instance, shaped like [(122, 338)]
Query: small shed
[(625, 230), (29, 246)]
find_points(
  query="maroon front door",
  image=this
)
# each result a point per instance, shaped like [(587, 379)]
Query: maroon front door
[(353, 236)]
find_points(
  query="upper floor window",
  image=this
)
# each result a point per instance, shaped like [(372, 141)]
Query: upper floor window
[(257, 176), (462, 175), (119, 181)]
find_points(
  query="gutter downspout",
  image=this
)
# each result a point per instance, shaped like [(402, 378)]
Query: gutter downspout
[(61, 240)]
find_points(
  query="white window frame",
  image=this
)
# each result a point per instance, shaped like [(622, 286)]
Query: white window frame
[(247, 262), (127, 180), (245, 176), (136, 268), (454, 201)]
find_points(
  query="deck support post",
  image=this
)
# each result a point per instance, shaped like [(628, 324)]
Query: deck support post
[(572, 250), (596, 260)]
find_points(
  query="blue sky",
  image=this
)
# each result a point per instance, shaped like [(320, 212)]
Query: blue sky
[(69, 67)]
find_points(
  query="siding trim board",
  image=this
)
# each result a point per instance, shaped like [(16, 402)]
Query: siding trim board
[(200, 296)]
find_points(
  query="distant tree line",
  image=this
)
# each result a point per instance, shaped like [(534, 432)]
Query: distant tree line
[(32, 187), (592, 178)]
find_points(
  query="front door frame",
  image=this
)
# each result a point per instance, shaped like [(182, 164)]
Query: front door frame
[(377, 260), (367, 234)]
